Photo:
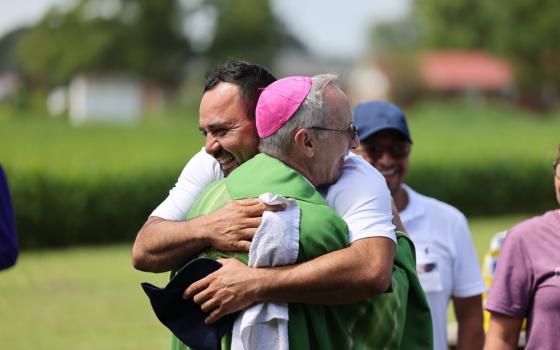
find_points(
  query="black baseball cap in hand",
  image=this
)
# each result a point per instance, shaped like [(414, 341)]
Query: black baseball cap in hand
[(183, 317)]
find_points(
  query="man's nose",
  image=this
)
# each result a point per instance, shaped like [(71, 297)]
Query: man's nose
[(212, 146)]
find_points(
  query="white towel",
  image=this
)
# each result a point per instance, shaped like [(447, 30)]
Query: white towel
[(276, 243)]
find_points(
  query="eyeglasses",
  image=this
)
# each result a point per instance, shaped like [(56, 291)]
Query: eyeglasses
[(350, 131), (395, 150), (556, 168)]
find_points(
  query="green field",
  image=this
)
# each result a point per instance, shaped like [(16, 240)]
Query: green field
[(451, 134), (443, 134), (90, 298), (55, 147)]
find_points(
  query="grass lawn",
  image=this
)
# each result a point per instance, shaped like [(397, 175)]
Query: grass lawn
[(90, 298), (80, 298)]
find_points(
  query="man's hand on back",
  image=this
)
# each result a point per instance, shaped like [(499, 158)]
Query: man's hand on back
[(231, 288), (163, 245), (232, 227)]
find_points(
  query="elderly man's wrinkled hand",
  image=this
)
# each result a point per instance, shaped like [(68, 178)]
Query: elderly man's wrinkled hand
[(231, 288), (232, 227)]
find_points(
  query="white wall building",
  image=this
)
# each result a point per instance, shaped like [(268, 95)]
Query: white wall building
[(104, 99)]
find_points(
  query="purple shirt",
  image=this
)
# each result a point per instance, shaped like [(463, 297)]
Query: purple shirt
[(527, 279)]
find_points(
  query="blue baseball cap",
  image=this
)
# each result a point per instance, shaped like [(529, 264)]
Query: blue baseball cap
[(183, 317), (371, 117)]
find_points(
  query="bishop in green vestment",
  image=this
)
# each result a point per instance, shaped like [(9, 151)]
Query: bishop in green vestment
[(397, 319)]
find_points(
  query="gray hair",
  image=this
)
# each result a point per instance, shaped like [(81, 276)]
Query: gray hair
[(312, 112)]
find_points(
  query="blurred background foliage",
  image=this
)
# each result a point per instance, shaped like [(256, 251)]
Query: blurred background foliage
[(486, 153), (152, 39), (525, 32), (171, 42), (248, 29), (140, 37), (97, 184)]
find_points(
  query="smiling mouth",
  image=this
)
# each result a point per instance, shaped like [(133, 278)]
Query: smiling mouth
[(224, 161), (388, 172), (227, 163)]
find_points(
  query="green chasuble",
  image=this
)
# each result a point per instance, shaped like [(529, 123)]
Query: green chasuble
[(399, 319)]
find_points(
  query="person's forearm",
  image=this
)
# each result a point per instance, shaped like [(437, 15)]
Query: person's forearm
[(469, 319), (471, 334), (162, 245), (344, 276), (503, 332), (497, 343)]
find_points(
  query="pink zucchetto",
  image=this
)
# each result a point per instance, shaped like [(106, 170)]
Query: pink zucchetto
[(278, 102)]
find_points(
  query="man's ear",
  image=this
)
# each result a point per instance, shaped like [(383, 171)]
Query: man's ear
[(305, 142)]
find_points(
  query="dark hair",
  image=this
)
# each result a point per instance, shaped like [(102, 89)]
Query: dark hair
[(250, 78)]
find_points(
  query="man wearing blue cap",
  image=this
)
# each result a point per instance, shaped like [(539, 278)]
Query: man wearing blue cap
[(446, 260)]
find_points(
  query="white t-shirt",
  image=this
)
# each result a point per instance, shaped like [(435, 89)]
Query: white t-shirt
[(445, 257), (360, 196)]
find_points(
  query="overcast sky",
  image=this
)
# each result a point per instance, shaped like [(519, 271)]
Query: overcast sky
[(331, 28), (337, 28)]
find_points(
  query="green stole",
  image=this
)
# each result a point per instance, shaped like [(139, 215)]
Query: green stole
[(393, 320)]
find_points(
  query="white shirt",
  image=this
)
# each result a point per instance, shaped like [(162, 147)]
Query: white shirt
[(360, 196), (445, 256)]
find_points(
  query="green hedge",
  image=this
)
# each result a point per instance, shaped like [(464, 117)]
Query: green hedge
[(57, 211), (488, 189)]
